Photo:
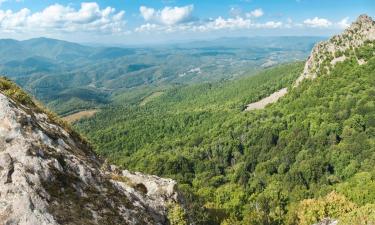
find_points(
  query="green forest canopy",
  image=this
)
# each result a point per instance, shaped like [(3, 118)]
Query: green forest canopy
[(305, 158)]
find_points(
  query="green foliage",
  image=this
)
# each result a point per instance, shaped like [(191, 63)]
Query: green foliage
[(311, 211), (69, 77), (255, 167), (362, 215), (335, 206), (359, 189), (176, 215), (13, 91)]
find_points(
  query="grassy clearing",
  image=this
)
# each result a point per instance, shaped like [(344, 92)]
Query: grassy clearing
[(80, 115)]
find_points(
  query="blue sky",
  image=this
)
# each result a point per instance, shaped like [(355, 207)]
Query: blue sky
[(137, 21)]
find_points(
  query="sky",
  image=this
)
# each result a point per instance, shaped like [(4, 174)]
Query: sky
[(149, 21)]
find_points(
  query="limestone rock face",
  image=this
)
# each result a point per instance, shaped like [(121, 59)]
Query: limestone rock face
[(327, 53), (48, 175)]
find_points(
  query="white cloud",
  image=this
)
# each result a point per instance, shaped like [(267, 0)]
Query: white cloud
[(255, 13), (220, 23), (176, 15), (270, 24), (89, 17), (344, 23), (211, 25), (230, 23), (148, 27), (317, 22), (168, 15), (13, 20), (147, 13)]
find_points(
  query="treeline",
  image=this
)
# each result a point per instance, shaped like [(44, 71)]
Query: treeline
[(308, 157)]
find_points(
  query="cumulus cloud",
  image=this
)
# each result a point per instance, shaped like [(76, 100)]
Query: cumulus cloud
[(220, 23), (230, 23), (148, 27), (255, 13), (317, 22), (147, 13), (270, 24), (168, 15), (174, 19), (89, 17), (344, 23), (179, 19)]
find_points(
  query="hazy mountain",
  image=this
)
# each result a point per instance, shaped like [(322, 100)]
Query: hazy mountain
[(306, 159), (285, 42), (48, 68), (42, 47)]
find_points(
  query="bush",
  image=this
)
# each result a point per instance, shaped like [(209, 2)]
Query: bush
[(176, 215), (14, 92), (333, 206)]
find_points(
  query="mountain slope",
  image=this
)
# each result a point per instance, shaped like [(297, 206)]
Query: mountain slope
[(49, 175), (49, 69), (327, 53), (42, 47), (308, 157)]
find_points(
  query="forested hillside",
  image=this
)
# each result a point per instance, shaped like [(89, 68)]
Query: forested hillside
[(70, 77), (308, 157), (187, 112)]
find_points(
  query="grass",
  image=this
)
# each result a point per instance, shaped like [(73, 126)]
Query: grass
[(11, 90), (80, 115), (20, 97)]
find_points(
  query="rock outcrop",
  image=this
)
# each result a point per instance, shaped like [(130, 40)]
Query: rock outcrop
[(327, 221), (49, 175), (267, 100), (327, 53)]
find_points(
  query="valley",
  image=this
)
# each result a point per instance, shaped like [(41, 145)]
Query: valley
[(70, 77), (254, 130), (304, 153)]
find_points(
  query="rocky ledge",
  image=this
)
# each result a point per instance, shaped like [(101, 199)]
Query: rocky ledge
[(327, 53), (49, 175)]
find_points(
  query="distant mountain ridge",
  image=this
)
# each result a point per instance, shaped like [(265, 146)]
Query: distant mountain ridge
[(43, 47), (256, 42), (57, 71)]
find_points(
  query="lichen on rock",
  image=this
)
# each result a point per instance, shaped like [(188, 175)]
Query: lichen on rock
[(49, 175)]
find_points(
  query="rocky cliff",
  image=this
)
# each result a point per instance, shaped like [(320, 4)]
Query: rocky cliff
[(327, 53), (49, 175)]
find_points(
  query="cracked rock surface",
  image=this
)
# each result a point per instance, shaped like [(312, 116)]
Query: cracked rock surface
[(48, 175)]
